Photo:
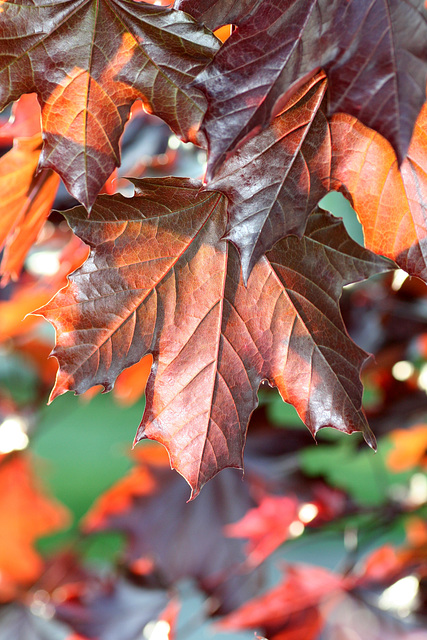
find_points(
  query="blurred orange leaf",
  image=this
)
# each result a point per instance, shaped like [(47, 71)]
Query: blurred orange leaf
[(410, 448), (130, 384), (25, 515), (26, 202), (40, 200), (388, 202)]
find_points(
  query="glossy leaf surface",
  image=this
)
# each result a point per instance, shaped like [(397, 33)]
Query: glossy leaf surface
[(216, 13), (390, 204), (373, 52), (160, 279), (275, 180), (88, 61)]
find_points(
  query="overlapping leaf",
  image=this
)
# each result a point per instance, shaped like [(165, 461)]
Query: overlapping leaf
[(160, 279), (275, 180), (373, 52), (391, 205), (88, 61), (216, 13)]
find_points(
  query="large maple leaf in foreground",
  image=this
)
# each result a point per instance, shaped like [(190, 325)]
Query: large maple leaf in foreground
[(88, 61), (161, 279), (373, 51)]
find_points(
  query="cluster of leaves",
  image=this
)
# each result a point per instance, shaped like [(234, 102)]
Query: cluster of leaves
[(209, 288), (163, 275)]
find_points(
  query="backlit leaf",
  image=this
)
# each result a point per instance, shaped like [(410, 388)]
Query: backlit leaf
[(391, 205), (160, 279), (373, 52), (25, 204), (88, 62)]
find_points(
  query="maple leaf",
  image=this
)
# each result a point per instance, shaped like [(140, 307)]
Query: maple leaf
[(160, 279), (25, 515), (216, 13), (275, 180), (88, 61), (373, 52), (390, 203)]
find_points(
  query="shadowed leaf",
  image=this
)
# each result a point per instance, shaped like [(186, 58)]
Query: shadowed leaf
[(108, 609), (88, 62), (373, 52), (216, 13), (275, 180), (193, 545)]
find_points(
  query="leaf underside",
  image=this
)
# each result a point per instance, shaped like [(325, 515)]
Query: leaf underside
[(161, 279)]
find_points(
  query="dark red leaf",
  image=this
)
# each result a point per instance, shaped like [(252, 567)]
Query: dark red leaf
[(216, 13), (89, 61), (160, 279), (275, 180), (373, 52)]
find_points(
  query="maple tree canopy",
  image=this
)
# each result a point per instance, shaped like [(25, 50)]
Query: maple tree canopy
[(235, 279)]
